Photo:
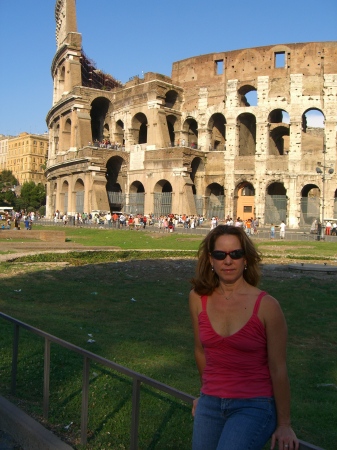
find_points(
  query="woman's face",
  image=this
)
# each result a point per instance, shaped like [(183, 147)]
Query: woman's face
[(228, 270)]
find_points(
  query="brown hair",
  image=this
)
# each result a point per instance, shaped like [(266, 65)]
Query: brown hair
[(205, 280)]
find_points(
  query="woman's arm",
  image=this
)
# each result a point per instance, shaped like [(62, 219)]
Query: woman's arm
[(199, 354), (276, 331), (195, 309)]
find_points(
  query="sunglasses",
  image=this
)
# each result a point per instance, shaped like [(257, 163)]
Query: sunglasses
[(234, 254)]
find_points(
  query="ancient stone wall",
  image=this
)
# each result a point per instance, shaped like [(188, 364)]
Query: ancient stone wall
[(224, 127)]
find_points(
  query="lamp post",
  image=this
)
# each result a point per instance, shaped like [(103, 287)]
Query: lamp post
[(320, 169)]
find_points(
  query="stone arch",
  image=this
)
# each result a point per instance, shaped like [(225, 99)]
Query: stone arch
[(106, 131), (215, 201), (246, 123), (115, 184), (79, 195), (171, 124), (66, 138), (197, 175), (171, 98), (279, 131), (190, 130), (56, 131), (64, 197), (244, 202), (114, 168), (119, 133), (310, 204), (136, 198), (139, 128), (99, 117), (61, 81), (162, 201), (217, 130), (313, 131), (244, 99), (275, 203)]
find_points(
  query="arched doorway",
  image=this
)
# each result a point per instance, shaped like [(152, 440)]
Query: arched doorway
[(276, 204), (114, 188), (64, 197), (215, 201), (79, 196), (171, 121), (278, 132), (197, 173), (139, 127), (190, 129), (162, 202), (247, 134), (245, 201), (136, 198), (217, 127), (99, 110), (310, 204)]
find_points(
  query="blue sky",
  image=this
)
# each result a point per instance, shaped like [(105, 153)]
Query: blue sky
[(126, 38)]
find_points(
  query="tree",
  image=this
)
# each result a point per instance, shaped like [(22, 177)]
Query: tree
[(7, 181), (32, 197)]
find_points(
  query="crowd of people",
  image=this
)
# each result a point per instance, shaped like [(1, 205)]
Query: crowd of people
[(329, 227), (15, 219), (106, 143)]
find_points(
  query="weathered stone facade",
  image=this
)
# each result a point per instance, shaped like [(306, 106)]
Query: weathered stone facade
[(191, 143)]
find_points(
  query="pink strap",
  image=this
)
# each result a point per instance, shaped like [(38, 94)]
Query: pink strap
[(258, 301), (204, 302)]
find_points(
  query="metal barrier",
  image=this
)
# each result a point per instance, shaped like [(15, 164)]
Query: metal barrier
[(87, 357)]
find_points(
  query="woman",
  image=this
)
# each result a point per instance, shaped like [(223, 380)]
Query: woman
[(240, 350)]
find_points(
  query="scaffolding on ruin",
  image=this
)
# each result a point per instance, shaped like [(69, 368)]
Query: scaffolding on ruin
[(95, 78)]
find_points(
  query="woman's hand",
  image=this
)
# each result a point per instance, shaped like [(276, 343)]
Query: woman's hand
[(194, 407), (285, 437)]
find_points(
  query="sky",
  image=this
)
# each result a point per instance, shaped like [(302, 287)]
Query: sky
[(130, 37)]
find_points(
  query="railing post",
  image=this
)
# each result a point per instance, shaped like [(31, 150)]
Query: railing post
[(135, 414), (85, 400), (15, 354), (46, 378)]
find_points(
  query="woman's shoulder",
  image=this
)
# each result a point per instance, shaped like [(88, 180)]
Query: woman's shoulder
[(195, 301), (270, 307)]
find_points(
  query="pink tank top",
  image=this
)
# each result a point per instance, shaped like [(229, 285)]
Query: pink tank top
[(237, 365)]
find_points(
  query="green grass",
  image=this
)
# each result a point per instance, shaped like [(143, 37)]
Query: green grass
[(91, 294)]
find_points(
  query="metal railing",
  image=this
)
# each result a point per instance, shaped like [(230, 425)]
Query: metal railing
[(136, 377)]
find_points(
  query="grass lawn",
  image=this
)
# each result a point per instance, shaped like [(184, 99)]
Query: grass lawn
[(82, 294)]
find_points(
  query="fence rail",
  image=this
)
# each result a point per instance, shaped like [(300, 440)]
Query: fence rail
[(137, 378)]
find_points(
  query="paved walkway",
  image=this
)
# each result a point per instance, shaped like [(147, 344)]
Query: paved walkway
[(7, 442)]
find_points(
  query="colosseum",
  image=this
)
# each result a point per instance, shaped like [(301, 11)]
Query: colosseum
[(225, 134)]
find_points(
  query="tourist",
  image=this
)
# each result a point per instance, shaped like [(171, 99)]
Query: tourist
[(282, 230), (272, 231), (214, 223), (240, 350)]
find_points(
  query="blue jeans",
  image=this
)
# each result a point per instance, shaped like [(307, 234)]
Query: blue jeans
[(233, 424)]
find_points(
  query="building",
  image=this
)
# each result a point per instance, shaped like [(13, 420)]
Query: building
[(26, 157), (194, 142), (3, 151)]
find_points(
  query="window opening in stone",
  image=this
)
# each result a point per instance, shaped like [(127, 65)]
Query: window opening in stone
[(247, 95), (251, 98), (280, 60), (219, 67)]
